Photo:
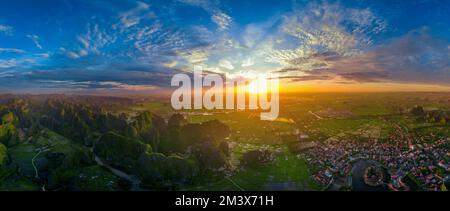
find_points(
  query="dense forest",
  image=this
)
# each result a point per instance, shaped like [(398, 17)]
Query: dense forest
[(65, 137)]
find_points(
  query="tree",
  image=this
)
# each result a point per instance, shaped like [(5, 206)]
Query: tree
[(149, 128), (256, 158), (177, 120), (3, 155), (4, 172), (143, 122), (120, 151), (209, 157), (171, 141), (179, 137), (9, 134), (156, 169), (225, 148), (10, 118), (417, 111), (216, 130)]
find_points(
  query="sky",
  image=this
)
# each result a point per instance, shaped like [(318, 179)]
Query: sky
[(93, 46)]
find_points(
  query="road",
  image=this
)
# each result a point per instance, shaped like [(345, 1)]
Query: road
[(317, 116)]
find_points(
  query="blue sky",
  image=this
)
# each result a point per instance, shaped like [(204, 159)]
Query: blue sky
[(92, 45)]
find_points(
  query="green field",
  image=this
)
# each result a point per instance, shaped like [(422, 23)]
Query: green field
[(287, 172), (320, 116)]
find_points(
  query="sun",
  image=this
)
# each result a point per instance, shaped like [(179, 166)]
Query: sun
[(258, 86)]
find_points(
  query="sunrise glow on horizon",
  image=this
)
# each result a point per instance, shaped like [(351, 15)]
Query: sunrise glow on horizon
[(312, 46)]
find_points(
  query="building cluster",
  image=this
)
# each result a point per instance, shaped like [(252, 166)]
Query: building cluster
[(426, 162)]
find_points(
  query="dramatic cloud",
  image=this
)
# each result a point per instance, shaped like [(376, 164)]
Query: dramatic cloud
[(416, 57), (127, 44), (321, 29)]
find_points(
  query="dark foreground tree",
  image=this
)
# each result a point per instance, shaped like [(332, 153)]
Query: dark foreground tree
[(158, 170), (120, 151)]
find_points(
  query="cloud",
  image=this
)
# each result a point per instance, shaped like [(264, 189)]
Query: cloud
[(205, 4), (226, 64), (35, 40), (94, 39), (17, 64), (365, 76), (134, 16), (29, 61), (326, 28), (11, 50), (254, 33), (219, 17), (194, 56), (70, 84), (365, 21), (306, 78), (171, 64), (7, 74), (152, 40), (113, 76), (415, 57), (9, 63), (91, 42), (222, 20), (73, 55), (7, 30), (247, 62), (43, 55), (144, 44)]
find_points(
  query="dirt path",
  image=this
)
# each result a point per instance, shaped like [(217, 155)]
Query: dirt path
[(34, 165)]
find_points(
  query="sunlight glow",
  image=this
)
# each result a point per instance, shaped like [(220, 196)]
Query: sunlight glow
[(258, 86)]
